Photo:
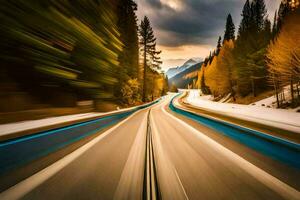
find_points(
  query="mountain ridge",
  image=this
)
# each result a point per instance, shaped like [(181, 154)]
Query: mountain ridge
[(176, 70), (186, 77)]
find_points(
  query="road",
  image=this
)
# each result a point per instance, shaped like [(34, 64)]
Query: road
[(155, 154)]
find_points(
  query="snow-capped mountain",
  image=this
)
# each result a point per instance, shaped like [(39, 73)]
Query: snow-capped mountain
[(174, 71)]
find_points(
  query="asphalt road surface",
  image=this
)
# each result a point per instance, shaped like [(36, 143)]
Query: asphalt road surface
[(154, 154)]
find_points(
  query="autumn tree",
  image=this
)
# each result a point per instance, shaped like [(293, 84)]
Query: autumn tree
[(285, 8), (219, 75), (284, 58), (225, 62), (130, 92), (201, 84)]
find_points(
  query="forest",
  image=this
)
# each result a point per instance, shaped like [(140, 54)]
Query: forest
[(61, 52), (262, 56)]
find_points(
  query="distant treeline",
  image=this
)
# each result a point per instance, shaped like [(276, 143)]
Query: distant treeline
[(76, 50), (262, 57)]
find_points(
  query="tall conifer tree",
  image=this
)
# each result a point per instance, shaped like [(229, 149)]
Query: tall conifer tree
[(129, 58), (150, 54), (219, 45), (229, 29)]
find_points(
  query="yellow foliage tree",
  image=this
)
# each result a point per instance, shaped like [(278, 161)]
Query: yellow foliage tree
[(219, 75), (283, 56)]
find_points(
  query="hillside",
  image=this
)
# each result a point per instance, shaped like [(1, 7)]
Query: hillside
[(174, 71), (186, 77)]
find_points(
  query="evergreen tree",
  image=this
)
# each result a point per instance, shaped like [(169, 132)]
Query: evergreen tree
[(274, 28), (246, 19), (267, 32), (259, 13), (229, 29), (129, 58), (210, 58), (205, 62), (219, 45), (254, 36), (150, 54)]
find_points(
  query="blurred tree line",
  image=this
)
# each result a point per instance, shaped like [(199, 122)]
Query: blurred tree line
[(64, 51), (249, 63)]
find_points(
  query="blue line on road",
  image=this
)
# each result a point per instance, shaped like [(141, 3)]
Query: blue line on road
[(17, 152), (276, 148)]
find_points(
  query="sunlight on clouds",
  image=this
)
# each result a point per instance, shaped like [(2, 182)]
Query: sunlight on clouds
[(174, 4)]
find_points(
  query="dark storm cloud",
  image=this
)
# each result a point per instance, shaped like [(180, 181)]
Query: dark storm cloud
[(195, 22)]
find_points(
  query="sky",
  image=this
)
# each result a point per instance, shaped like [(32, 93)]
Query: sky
[(190, 28)]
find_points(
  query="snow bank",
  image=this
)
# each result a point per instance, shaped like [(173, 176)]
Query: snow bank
[(284, 119), (6, 129)]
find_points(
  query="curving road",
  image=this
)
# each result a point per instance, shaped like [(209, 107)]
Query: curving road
[(156, 154)]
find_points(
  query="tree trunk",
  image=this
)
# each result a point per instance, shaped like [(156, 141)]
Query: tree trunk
[(145, 73), (152, 88), (292, 91), (298, 91), (253, 87), (232, 91), (276, 91)]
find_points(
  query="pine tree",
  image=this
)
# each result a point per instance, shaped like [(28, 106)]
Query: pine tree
[(274, 28), (210, 58), (219, 45), (267, 31), (148, 47), (259, 12), (254, 36), (245, 23), (129, 58), (205, 62), (229, 29)]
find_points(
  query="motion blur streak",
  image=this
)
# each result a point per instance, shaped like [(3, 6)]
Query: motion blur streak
[(74, 44)]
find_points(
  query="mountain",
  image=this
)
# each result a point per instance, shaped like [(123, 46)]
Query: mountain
[(187, 77), (174, 71)]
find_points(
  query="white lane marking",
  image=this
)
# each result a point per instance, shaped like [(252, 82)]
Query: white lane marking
[(129, 186), (24, 187), (186, 196), (273, 183)]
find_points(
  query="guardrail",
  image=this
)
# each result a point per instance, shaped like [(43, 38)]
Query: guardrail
[(279, 149), (19, 151)]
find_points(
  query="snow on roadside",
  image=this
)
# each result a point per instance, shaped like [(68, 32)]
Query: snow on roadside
[(271, 101), (9, 128), (283, 119)]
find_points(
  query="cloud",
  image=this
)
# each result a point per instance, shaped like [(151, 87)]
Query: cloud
[(194, 21), (182, 23), (185, 22)]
